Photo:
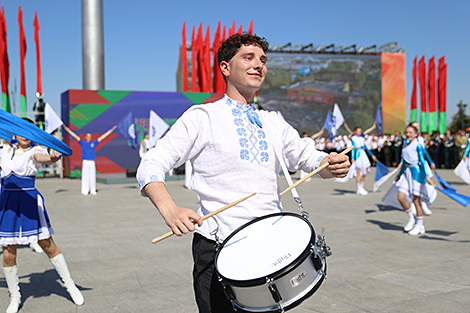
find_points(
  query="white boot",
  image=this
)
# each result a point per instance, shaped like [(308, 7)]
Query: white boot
[(426, 209), (11, 276), (61, 268), (413, 208), (36, 247)]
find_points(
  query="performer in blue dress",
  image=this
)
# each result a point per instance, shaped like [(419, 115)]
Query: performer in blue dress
[(412, 181), (361, 163), (23, 216)]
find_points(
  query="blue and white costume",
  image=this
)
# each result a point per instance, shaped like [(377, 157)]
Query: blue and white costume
[(467, 154), (414, 172), (232, 156), (361, 161), (23, 216)]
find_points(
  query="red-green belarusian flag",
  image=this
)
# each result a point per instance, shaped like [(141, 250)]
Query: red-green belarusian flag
[(4, 62), (441, 93), (38, 54), (422, 84), (432, 95), (22, 58), (414, 95)]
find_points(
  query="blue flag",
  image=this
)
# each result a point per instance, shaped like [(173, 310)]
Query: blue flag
[(127, 128), (378, 118), (11, 124), (444, 184), (327, 124), (461, 199), (381, 170)]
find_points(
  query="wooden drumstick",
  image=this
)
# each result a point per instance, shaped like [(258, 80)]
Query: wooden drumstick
[(314, 172), (171, 233)]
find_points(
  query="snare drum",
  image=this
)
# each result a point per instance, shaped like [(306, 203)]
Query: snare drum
[(270, 264)]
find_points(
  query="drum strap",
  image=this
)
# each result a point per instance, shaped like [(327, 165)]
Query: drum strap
[(277, 146)]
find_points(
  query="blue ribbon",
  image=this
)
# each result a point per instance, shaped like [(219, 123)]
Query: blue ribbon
[(253, 118)]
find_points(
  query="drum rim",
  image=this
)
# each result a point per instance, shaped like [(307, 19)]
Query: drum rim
[(275, 275)]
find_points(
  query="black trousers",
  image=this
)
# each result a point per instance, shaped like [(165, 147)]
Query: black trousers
[(209, 293)]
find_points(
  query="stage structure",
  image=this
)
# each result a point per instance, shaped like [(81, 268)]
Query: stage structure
[(305, 81), (97, 111)]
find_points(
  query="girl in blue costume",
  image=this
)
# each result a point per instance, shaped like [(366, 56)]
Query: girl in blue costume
[(360, 160), (412, 180), (23, 216)]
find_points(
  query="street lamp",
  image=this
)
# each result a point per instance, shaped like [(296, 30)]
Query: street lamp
[(462, 107)]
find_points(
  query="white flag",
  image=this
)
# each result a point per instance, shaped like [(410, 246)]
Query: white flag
[(157, 127), (337, 120), (52, 120), (462, 171)]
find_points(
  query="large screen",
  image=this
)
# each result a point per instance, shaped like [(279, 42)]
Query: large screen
[(304, 87)]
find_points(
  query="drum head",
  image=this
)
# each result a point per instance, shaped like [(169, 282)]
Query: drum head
[(264, 246)]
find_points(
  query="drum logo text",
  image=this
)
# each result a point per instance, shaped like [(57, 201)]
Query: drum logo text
[(298, 279), (282, 259)]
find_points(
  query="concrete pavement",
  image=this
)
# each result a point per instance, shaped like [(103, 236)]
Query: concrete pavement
[(375, 266)]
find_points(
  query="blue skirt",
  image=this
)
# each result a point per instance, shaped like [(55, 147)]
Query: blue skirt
[(23, 216)]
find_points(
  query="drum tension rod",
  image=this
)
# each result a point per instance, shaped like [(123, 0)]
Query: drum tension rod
[(275, 293)]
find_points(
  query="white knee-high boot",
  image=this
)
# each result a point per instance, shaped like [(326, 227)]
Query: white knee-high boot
[(61, 268), (11, 276)]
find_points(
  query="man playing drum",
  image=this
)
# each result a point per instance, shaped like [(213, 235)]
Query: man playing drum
[(232, 156)]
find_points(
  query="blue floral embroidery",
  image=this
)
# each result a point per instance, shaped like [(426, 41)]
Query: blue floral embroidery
[(236, 112), (241, 132), (239, 122), (261, 134), (264, 157), (263, 145), (244, 154), (243, 142)]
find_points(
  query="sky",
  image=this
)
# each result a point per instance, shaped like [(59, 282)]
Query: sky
[(142, 38)]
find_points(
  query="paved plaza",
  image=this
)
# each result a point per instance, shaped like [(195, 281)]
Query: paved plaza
[(375, 266)]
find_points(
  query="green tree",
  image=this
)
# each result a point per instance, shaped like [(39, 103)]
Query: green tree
[(459, 117)]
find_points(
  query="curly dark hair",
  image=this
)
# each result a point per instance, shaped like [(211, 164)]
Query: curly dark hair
[(233, 43)]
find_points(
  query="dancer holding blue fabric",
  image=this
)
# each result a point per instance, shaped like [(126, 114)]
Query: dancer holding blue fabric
[(361, 161), (23, 216), (412, 180)]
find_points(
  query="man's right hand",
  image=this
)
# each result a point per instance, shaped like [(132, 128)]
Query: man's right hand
[(181, 220)]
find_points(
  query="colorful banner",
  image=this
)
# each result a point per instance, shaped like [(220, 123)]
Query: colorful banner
[(22, 59), (422, 88), (38, 54), (441, 94), (393, 91), (432, 95), (414, 94), (4, 62)]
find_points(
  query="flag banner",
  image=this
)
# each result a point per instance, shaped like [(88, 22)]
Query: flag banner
[(441, 94), (383, 180), (414, 95), (127, 128), (422, 84), (381, 170), (11, 124), (378, 119), (22, 63), (337, 119), (4, 62), (157, 127), (38, 54), (52, 120), (327, 124), (459, 198), (432, 95), (461, 171), (444, 184)]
